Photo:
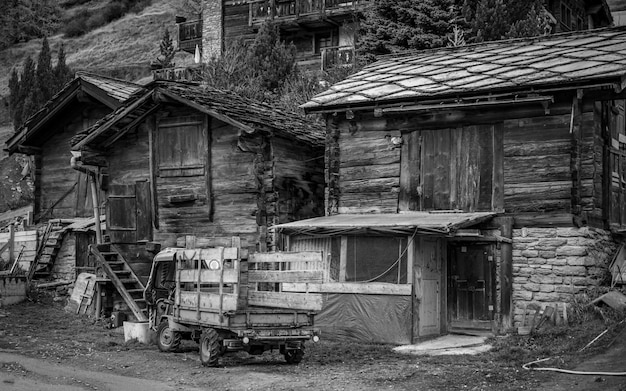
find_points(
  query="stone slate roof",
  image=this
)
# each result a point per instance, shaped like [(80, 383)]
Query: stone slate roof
[(117, 89), (492, 67), (246, 114)]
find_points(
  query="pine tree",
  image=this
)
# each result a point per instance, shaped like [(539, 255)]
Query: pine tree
[(270, 58), (392, 26), (62, 73), (490, 20), (166, 47), (26, 84), (45, 75), (14, 95)]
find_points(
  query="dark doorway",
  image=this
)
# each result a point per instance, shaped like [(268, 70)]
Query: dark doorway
[(471, 287)]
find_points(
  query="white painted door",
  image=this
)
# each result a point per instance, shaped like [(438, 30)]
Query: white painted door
[(430, 264)]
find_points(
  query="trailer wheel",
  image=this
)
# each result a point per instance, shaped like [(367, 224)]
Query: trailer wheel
[(167, 339), (294, 356), (210, 348)]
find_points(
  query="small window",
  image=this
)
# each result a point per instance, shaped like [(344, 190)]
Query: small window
[(182, 147), (323, 41), (376, 259)]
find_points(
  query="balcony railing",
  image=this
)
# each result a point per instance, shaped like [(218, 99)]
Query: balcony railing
[(190, 35), (276, 9), (337, 56), (189, 73)]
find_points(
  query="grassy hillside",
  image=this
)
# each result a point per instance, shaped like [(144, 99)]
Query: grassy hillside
[(122, 49)]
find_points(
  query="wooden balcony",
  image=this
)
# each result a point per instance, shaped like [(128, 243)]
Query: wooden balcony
[(303, 11), (190, 35), (190, 73)]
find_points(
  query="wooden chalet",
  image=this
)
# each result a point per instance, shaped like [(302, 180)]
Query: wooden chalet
[(63, 195), (185, 160), (323, 32), (465, 185)]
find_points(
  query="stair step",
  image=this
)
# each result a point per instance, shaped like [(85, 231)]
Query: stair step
[(50, 250), (131, 291), (128, 280), (123, 271)]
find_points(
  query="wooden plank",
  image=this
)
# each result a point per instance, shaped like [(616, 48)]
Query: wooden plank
[(343, 258), (288, 256), (497, 195), (371, 288), (485, 167), (230, 276), (208, 301), (144, 211), (313, 276), (293, 301)]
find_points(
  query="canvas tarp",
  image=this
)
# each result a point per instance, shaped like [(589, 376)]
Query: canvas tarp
[(366, 318)]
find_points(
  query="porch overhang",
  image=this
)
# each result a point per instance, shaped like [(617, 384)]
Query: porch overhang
[(438, 223)]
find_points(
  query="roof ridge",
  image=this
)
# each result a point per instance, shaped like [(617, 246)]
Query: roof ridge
[(82, 73)]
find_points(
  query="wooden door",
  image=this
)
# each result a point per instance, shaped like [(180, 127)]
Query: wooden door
[(430, 269), (471, 272), (129, 217)]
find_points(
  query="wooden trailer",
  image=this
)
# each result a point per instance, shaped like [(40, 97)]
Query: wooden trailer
[(227, 300)]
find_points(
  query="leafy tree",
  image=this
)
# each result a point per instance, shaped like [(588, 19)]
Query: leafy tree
[(167, 50), (490, 20), (392, 26)]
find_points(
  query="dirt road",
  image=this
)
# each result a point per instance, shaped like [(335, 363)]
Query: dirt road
[(42, 347)]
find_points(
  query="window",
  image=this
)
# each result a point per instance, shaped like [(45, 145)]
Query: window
[(182, 146), (322, 41), (376, 259), (566, 16)]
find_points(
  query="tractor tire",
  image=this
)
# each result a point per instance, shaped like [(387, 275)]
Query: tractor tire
[(294, 356), (167, 339), (210, 348)]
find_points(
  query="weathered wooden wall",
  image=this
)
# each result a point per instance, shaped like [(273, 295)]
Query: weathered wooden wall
[(55, 181), (532, 164)]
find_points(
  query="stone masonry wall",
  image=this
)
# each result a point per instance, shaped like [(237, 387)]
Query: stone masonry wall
[(212, 29), (550, 265), (12, 290)]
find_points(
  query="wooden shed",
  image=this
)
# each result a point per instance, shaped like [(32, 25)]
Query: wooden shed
[(62, 194), (523, 141), (185, 160), (60, 191)]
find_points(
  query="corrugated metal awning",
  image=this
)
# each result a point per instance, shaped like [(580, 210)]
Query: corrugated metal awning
[(444, 223)]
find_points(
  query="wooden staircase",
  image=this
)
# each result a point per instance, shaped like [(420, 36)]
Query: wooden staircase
[(123, 278), (41, 268)]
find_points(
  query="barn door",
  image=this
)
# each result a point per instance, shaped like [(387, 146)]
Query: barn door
[(471, 273), (617, 165), (430, 268), (129, 217)]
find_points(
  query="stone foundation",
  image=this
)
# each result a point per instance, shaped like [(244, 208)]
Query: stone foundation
[(12, 290), (550, 265)]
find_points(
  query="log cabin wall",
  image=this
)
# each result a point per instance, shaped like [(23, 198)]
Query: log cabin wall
[(518, 160), (60, 191)]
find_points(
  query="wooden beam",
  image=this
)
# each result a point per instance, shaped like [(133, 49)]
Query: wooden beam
[(111, 121), (343, 258), (506, 273), (577, 141), (111, 140), (29, 150), (371, 288)]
